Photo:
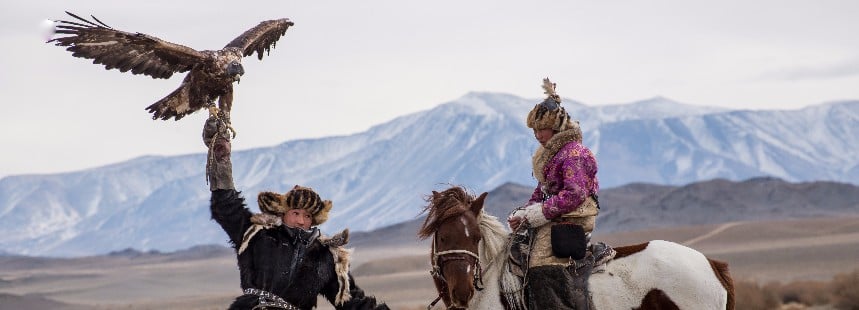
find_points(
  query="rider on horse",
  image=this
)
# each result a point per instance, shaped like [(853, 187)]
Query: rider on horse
[(562, 210), (284, 262)]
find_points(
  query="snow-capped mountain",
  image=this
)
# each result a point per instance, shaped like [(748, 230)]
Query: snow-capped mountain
[(815, 143), (379, 177)]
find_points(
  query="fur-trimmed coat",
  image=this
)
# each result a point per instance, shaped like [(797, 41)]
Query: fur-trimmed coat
[(265, 261), (567, 171)]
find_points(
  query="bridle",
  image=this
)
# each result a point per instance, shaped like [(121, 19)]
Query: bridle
[(439, 258)]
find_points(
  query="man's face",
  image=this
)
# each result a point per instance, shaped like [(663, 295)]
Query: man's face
[(298, 218)]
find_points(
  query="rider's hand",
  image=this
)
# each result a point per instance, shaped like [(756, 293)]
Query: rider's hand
[(214, 130), (516, 219), (514, 222), (219, 168), (531, 215)]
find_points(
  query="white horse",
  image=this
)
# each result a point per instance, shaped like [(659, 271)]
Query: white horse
[(470, 247)]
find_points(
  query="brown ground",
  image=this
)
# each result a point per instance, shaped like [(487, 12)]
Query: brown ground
[(762, 251)]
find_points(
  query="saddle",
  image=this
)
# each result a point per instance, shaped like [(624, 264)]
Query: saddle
[(597, 256), (577, 272)]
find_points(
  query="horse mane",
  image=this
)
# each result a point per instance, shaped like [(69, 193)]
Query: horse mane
[(442, 206), (493, 251)]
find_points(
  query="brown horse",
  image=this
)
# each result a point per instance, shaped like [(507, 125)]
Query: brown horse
[(470, 250)]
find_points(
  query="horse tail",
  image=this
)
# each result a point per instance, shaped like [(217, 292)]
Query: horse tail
[(721, 270)]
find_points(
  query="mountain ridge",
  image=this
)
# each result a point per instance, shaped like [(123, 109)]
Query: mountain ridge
[(644, 206), (378, 177)]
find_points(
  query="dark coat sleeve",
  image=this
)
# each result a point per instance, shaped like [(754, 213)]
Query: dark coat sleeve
[(228, 209), (359, 301)]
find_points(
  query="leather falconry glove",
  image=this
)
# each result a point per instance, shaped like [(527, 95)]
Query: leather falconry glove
[(219, 168)]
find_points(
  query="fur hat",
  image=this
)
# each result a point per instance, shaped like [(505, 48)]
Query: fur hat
[(298, 197), (549, 114)]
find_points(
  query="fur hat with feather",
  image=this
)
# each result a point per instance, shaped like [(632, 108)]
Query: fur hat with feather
[(298, 197), (549, 114)]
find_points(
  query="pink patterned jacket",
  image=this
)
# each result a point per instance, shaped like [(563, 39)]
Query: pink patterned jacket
[(566, 172)]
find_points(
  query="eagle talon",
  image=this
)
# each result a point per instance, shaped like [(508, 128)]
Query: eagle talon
[(224, 116), (213, 111), (233, 130)]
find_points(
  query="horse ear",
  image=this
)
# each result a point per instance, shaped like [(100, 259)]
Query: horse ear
[(477, 204), (434, 194)]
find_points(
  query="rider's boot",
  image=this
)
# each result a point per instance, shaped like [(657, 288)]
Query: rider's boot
[(549, 288)]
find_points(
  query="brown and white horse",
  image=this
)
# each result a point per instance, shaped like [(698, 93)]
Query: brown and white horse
[(469, 259)]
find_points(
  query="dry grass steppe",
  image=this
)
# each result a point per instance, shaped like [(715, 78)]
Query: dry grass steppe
[(785, 250)]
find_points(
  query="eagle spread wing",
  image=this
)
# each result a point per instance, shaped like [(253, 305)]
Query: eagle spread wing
[(140, 53), (261, 38)]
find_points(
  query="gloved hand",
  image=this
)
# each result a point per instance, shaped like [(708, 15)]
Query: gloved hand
[(533, 215), (219, 168), (514, 221)]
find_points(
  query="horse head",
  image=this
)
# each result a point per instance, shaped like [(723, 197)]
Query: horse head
[(452, 221)]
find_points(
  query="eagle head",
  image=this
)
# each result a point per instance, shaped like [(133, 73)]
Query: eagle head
[(235, 70)]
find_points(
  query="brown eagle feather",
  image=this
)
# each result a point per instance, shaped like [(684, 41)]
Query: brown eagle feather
[(211, 72)]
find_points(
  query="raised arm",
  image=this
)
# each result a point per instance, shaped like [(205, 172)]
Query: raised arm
[(227, 204), (219, 167)]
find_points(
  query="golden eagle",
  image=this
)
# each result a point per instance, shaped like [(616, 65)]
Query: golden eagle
[(211, 75)]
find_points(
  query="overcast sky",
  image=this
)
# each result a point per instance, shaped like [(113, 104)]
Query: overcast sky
[(348, 65)]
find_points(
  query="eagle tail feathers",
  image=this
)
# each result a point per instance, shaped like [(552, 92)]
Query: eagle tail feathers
[(175, 105)]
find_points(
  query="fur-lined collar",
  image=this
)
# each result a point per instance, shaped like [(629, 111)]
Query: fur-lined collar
[(262, 221), (544, 154), (342, 256)]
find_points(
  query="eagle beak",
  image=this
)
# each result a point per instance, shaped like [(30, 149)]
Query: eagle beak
[(236, 70)]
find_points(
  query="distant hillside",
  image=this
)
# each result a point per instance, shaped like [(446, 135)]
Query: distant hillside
[(117, 258), (499, 202), (648, 206), (17, 302), (641, 206)]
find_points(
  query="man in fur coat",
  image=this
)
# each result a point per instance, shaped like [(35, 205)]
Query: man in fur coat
[(284, 262), (566, 172)]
